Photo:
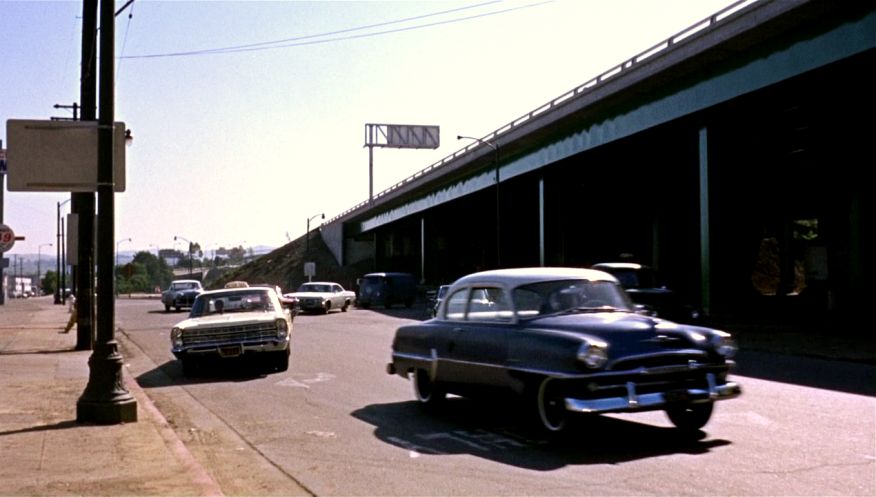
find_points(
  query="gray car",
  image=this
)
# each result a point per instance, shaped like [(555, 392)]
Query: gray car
[(180, 294)]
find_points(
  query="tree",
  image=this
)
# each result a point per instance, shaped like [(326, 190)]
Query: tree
[(157, 272), (50, 282)]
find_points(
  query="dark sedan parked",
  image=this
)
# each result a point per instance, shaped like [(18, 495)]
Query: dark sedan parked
[(569, 341), (640, 282)]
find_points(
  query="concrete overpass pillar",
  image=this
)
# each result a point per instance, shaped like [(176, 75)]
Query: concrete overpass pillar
[(705, 262), (541, 221)]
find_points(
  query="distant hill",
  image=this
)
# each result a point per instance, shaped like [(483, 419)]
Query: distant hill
[(284, 266)]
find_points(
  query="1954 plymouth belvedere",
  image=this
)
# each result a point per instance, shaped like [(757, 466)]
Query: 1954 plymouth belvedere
[(568, 341)]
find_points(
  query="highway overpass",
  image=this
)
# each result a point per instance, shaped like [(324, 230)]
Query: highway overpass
[(730, 157)]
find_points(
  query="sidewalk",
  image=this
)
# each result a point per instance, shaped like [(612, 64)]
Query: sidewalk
[(44, 451)]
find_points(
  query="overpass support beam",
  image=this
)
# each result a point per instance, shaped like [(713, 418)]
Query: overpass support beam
[(705, 262), (422, 249), (541, 221)]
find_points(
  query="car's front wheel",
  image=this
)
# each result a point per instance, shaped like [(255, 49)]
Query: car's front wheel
[(429, 393), (690, 417), (190, 366), (551, 407), (166, 307), (280, 361)]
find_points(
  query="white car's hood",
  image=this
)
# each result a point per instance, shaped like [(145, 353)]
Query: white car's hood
[(226, 319)]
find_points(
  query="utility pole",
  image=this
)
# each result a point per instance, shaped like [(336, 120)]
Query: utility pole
[(82, 203), (2, 189), (105, 399)]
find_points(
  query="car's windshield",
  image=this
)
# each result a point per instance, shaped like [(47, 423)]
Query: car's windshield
[(183, 286), (551, 297), (314, 287), (230, 302), (631, 278)]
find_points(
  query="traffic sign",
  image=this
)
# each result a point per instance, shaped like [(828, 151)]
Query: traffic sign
[(7, 238)]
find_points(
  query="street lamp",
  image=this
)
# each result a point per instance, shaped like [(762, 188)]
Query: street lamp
[(117, 248), (60, 280), (496, 159), (191, 263), (307, 236), (39, 266)]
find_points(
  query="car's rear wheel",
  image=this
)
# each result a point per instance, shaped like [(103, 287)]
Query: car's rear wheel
[(344, 307), (551, 407), (690, 417), (429, 393)]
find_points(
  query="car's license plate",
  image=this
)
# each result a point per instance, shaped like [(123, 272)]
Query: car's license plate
[(231, 351)]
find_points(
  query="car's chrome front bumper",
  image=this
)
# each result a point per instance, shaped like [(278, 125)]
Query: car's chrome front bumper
[(653, 401), (231, 349)]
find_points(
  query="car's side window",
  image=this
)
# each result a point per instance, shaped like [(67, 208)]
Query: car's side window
[(528, 302), (456, 305), (488, 304)]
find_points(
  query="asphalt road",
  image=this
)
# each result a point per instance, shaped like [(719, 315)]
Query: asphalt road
[(337, 424)]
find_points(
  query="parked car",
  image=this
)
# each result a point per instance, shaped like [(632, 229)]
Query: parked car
[(290, 303), (567, 341), (640, 282), (434, 299), (181, 293), (322, 296), (387, 289), (231, 323)]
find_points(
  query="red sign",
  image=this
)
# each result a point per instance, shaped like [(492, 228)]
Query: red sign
[(7, 238)]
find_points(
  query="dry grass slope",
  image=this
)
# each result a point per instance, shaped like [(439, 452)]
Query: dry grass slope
[(284, 266)]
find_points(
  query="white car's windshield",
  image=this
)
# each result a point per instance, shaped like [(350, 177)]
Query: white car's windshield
[(551, 297), (229, 302), (311, 287)]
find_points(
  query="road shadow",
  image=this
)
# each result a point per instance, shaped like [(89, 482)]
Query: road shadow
[(841, 376), (418, 311), (38, 351), (496, 431), (172, 311), (61, 425), (171, 373)]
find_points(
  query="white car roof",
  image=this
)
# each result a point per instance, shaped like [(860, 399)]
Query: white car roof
[(527, 275), (246, 289)]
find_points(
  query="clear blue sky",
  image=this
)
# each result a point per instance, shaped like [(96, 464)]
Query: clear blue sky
[(241, 147)]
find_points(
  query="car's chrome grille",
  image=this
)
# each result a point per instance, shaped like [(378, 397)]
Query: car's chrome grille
[(656, 361), (234, 333)]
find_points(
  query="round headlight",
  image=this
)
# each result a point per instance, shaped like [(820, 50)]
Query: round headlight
[(724, 345), (282, 328), (592, 355), (176, 337)]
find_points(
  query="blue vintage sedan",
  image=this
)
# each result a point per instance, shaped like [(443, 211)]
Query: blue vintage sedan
[(567, 341)]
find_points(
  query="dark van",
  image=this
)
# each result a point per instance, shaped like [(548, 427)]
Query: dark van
[(387, 289)]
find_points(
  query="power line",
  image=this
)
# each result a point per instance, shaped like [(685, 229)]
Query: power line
[(349, 30), (300, 41), (127, 30)]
